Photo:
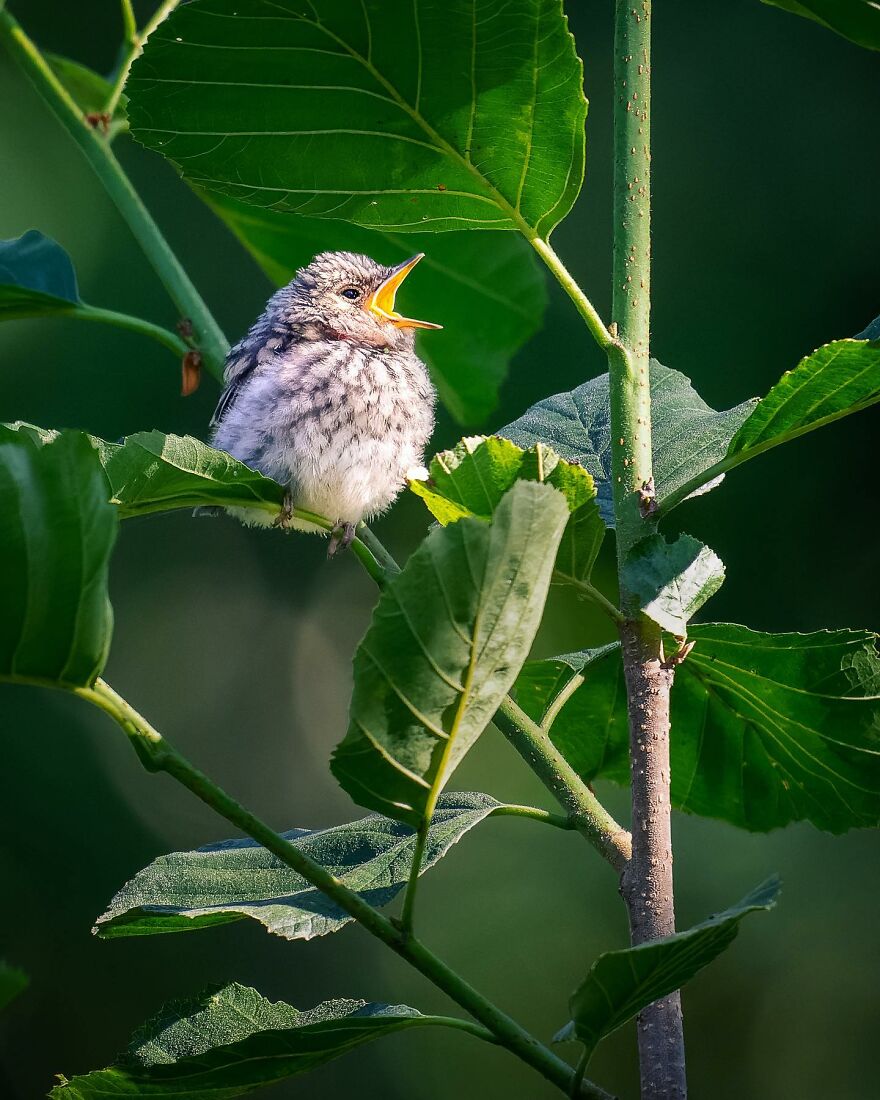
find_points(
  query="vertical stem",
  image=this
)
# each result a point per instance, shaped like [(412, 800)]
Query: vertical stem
[(646, 882)]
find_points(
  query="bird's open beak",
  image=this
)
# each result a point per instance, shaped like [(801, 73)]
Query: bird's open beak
[(381, 301)]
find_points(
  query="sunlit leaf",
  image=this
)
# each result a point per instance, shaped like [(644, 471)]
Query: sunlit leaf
[(672, 580), (394, 115), (447, 639), (621, 983), (55, 541), (858, 20), (485, 289), (766, 728), (234, 879), (688, 435), (230, 1041), (154, 472), (472, 478)]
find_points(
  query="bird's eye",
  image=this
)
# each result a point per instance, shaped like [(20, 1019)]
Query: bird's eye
[(352, 293)]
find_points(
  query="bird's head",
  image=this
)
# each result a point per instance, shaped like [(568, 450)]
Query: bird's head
[(346, 296)]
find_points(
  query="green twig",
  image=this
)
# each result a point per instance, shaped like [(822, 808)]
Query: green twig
[(534, 813), (412, 885), (592, 593), (163, 336), (158, 756), (559, 700), (582, 303), (134, 45), (208, 336)]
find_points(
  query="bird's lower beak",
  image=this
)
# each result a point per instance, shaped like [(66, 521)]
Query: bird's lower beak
[(381, 301)]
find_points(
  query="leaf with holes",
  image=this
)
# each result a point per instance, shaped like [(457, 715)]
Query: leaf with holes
[(472, 478), (487, 291), (672, 580), (230, 1041), (766, 728), (393, 115), (447, 639), (688, 435), (857, 20), (55, 542), (621, 983), (235, 879)]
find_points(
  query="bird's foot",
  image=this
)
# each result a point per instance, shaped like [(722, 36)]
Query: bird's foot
[(284, 517), (341, 538)]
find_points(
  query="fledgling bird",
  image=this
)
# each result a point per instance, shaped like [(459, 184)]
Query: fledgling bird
[(327, 396)]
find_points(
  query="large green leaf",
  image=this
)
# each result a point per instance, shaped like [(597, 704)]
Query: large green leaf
[(688, 435), (858, 20), (672, 580), (13, 982), (154, 472), (621, 983), (231, 1041), (472, 478), (386, 113), (766, 728), (55, 540), (234, 879), (487, 291), (834, 381), (36, 278), (448, 637)]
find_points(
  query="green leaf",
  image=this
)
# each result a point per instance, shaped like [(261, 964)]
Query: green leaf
[(235, 879), (766, 728), (448, 637), (836, 380), (393, 115), (486, 291), (872, 332), (88, 90), (858, 20), (57, 534), (672, 580), (36, 278), (154, 472), (12, 983), (230, 1041), (472, 478), (688, 435), (621, 983)]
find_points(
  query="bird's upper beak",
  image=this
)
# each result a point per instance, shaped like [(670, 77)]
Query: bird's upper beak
[(381, 301)]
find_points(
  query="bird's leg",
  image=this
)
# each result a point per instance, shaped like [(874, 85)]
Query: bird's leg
[(284, 517), (341, 538)]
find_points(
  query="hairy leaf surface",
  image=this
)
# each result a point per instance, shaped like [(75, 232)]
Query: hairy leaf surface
[(858, 20), (393, 115), (55, 541), (230, 1041), (672, 580), (472, 478), (766, 728), (154, 472), (234, 879), (621, 983), (448, 637), (688, 435), (486, 291)]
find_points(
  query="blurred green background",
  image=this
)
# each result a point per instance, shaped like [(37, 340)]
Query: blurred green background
[(238, 643)]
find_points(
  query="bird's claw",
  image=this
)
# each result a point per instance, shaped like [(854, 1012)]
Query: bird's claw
[(284, 517), (341, 538)]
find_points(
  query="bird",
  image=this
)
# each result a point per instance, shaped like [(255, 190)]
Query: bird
[(326, 395)]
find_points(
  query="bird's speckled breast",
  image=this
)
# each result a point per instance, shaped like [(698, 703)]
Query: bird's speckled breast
[(339, 423)]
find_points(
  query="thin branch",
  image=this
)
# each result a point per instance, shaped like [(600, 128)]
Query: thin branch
[(592, 593), (559, 700), (209, 338), (582, 303), (134, 46), (161, 335), (159, 756), (534, 813), (412, 885)]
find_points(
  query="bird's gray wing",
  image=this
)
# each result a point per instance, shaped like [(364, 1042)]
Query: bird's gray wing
[(240, 366)]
